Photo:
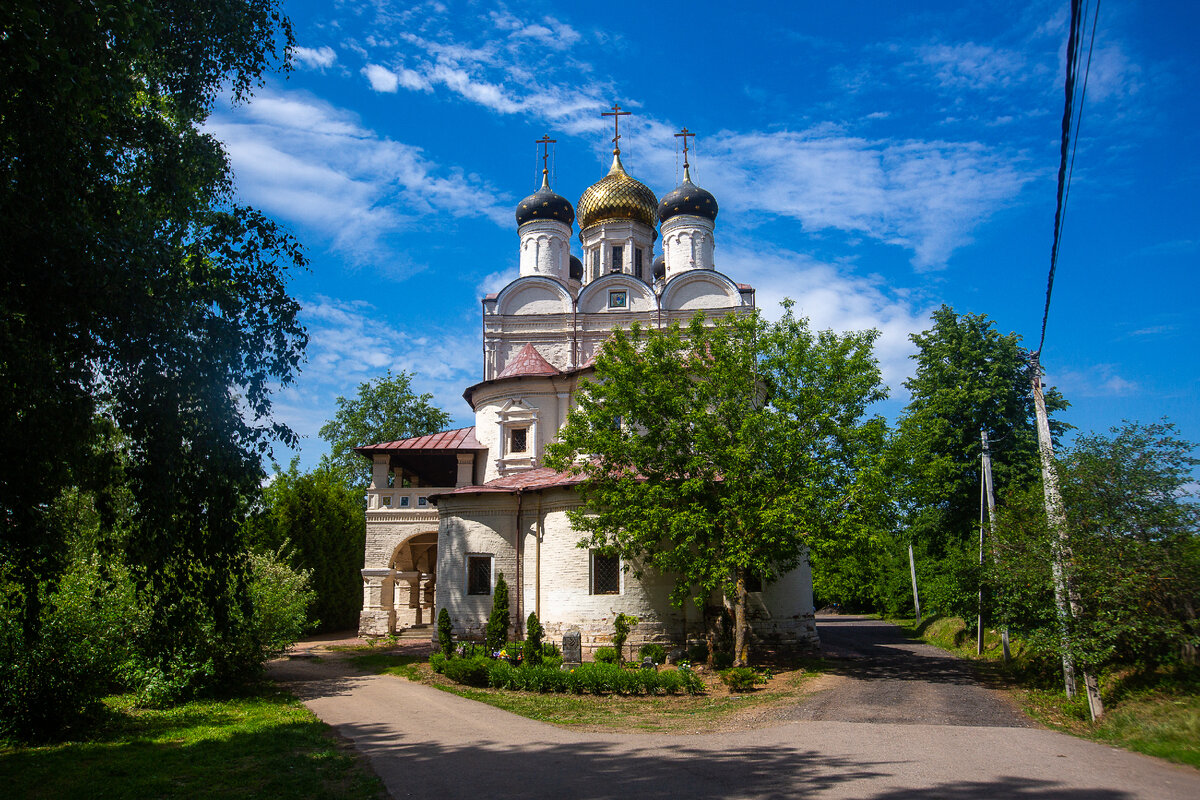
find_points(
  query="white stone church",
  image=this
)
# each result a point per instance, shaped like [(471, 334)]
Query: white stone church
[(448, 512)]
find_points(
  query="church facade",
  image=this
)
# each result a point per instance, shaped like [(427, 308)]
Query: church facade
[(449, 512)]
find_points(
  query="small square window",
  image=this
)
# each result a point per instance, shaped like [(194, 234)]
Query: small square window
[(405, 500), (618, 299), (387, 501), (422, 502), (518, 440), (606, 573), (479, 574)]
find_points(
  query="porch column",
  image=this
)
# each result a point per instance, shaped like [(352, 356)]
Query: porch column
[(378, 617)]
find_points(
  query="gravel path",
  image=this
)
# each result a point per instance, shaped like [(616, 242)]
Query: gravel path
[(429, 744)]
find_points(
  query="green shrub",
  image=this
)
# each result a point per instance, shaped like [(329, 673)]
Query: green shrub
[(551, 650), (622, 625), (740, 679), (445, 632), (513, 651), (655, 652), (437, 662), (498, 622), (533, 640), (469, 671), (606, 655)]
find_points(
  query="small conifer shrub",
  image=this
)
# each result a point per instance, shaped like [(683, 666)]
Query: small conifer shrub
[(533, 640), (497, 626), (445, 633)]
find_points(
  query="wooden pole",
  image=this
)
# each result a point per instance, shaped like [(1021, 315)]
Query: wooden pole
[(1064, 594), (912, 566), (990, 493)]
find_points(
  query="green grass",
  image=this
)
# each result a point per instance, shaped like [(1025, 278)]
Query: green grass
[(661, 714), (1153, 712), (264, 744)]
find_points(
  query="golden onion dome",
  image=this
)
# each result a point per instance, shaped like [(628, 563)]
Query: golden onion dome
[(617, 196)]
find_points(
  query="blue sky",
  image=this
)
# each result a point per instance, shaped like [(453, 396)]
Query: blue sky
[(871, 160)]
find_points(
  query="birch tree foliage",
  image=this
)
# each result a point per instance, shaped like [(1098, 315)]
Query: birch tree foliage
[(721, 450)]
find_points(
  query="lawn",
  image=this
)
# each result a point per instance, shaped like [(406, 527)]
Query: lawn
[(262, 743), (717, 709)]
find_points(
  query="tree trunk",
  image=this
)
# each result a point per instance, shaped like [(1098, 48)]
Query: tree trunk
[(741, 641)]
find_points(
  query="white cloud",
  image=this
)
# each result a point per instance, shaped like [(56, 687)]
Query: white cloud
[(971, 66), (312, 163), (320, 58), (832, 297), (382, 79), (350, 342), (927, 196)]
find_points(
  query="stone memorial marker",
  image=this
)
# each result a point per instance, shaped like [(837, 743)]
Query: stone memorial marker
[(572, 648)]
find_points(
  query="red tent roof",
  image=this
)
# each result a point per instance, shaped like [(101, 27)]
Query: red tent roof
[(528, 362)]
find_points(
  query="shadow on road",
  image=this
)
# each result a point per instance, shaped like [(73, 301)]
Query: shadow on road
[(585, 770)]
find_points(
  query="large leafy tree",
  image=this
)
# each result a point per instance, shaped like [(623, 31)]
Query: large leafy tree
[(969, 377), (719, 451), (318, 523), (131, 283), (384, 409), (1133, 551)]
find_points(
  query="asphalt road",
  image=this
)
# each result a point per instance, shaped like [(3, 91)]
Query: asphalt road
[(912, 737)]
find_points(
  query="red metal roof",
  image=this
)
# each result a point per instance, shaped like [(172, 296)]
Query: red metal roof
[(459, 439), (528, 362), (529, 481)]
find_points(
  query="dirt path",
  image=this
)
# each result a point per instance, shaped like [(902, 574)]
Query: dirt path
[(430, 744), (885, 677)]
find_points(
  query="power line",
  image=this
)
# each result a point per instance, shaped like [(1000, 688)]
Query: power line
[(1072, 116)]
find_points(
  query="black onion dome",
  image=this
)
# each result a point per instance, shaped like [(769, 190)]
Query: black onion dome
[(659, 270), (687, 198), (576, 270), (545, 204)]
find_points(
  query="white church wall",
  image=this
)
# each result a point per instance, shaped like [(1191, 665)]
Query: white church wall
[(481, 525), (597, 297), (700, 290), (533, 295)]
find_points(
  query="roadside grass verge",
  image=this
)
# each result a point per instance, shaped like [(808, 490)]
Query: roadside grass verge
[(259, 743), (1156, 712), (717, 709)]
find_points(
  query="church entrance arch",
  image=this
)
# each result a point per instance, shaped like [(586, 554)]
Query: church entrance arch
[(415, 563)]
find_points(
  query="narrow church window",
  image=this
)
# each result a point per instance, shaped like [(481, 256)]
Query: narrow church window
[(606, 573), (637, 263), (596, 263), (618, 258), (518, 440), (479, 574)]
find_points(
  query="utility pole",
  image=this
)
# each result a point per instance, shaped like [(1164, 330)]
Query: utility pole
[(1064, 593), (912, 566), (990, 494)]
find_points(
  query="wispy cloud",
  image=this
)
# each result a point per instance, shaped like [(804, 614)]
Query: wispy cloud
[(351, 342), (314, 164), (971, 66), (926, 196), (1097, 380), (835, 297)]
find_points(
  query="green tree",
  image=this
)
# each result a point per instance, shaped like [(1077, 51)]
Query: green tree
[(722, 450), (969, 377), (496, 635), (1133, 528), (384, 410), (445, 631), (319, 524), (131, 283), (533, 640)]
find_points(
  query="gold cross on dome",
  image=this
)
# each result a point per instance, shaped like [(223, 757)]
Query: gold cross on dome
[(616, 114), (685, 133), (545, 142)]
